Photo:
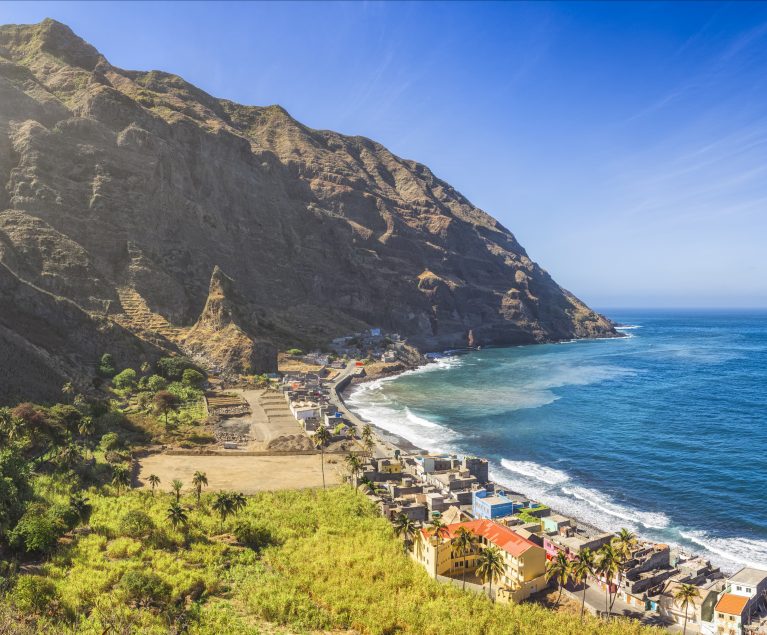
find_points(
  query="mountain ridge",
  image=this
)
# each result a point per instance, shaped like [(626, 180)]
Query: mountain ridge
[(137, 184)]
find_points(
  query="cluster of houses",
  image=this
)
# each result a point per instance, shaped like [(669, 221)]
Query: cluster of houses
[(308, 396), (457, 491), (371, 344)]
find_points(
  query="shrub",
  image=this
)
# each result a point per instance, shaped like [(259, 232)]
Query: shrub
[(110, 441), (107, 366), (15, 489), (295, 351), (124, 379), (64, 515), (37, 531), (174, 367), (136, 524), (192, 377), (257, 538), (156, 383), (33, 594), (145, 588)]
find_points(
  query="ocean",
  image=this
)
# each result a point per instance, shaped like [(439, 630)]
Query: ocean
[(663, 431)]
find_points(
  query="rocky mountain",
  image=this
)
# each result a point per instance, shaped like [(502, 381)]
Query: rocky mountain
[(138, 208)]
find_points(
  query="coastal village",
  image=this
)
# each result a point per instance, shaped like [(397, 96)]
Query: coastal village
[(459, 525)]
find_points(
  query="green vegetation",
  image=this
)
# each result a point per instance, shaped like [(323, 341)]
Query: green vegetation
[(309, 560), (106, 558)]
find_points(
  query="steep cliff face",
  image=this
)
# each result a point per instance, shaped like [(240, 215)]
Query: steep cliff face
[(128, 188)]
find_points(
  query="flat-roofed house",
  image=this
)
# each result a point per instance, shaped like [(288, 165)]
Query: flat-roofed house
[(524, 561), (745, 595)]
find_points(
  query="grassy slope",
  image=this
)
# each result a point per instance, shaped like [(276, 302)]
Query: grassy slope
[(337, 565)]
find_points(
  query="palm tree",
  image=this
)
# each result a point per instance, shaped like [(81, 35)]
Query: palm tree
[(68, 390), (154, 481), (560, 569), (321, 439), (607, 566), (80, 505), (438, 529), (176, 486), (405, 528), (685, 594), (120, 477), (355, 466), (371, 487), (199, 480), (86, 427), (239, 502), (582, 569), (491, 566), (368, 439), (224, 506), (463, 543), (176, 515), (624, 544)]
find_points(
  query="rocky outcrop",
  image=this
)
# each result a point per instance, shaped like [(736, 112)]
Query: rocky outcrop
[(124, 184), (219, 341)]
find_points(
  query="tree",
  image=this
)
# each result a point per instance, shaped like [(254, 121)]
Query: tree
[(223, 504), (120, 477), (490, 566), (69, 456), (559, 568), (124, 379), (68, 390), (176, 486), (176, 515), (155, 383), (192, 377), (405, 528), (355, 466), (239, 502), (173, 368), (199, 480), (86, 427), (582, 568), (15, 487), (438, 529), (154, 481), (165, 402), (80, 506), (107, 365), (368, 484), (321, 439), (686, 594), (607, 567), (463, 543), (367, 439), (624, 545)]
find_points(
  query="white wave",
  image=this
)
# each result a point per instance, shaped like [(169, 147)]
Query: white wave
[(424, 434), (743, 551), (420, 421), (628, 327), (602, 502), (534, 470)]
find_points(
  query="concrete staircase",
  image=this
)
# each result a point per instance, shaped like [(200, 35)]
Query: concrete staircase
[(138, 317)]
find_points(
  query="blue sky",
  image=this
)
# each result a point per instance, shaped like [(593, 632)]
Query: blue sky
[(624, 144)]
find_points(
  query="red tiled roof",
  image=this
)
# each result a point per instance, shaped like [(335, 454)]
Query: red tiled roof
[(499, 535), (731, 604)]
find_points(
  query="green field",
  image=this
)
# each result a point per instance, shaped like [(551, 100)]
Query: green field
[(305, 560)]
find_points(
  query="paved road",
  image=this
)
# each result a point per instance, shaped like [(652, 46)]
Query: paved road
[(382, 449)]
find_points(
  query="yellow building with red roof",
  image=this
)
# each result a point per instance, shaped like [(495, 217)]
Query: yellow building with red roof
[(524, 561)]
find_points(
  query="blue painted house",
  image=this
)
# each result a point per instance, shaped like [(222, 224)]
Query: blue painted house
[(496, 504)]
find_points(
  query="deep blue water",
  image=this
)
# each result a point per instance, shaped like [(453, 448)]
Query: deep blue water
[(664, 431)]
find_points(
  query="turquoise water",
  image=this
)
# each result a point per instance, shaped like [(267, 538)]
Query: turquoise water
[(664, 431)]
